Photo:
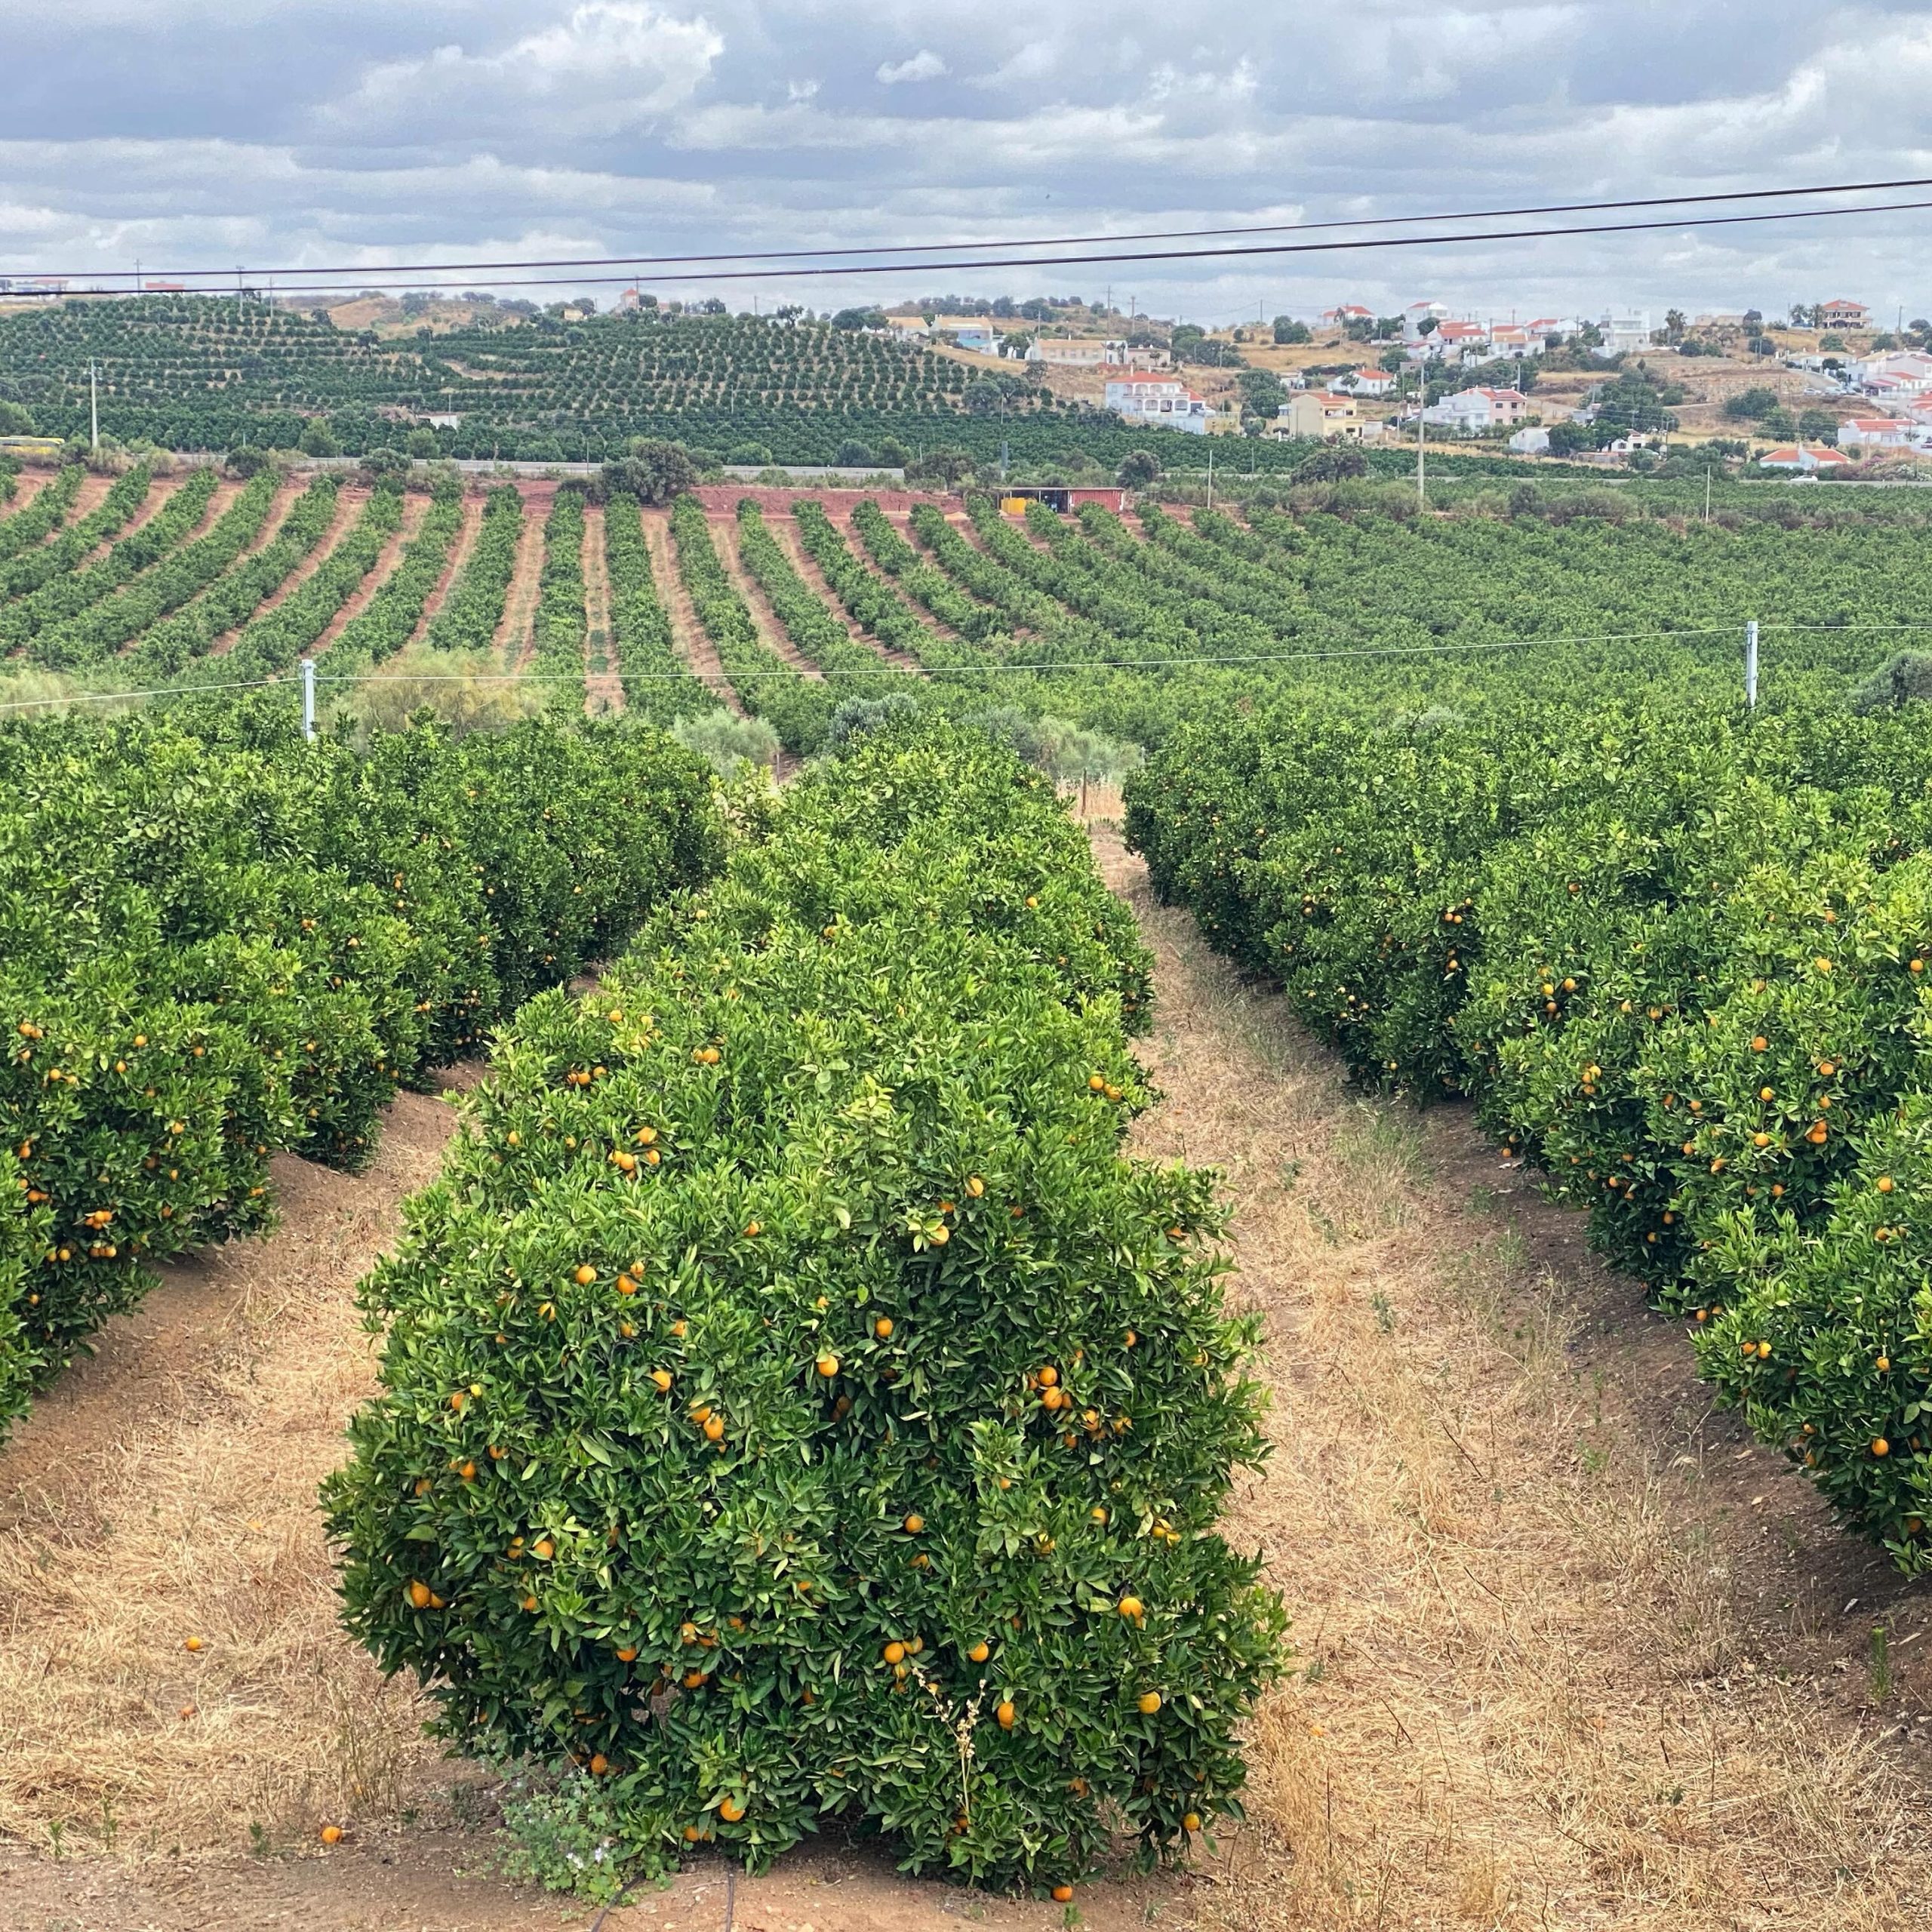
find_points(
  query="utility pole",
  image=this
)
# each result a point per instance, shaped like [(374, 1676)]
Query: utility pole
[(1750, 663), (93, 406), (1707, 493), (1422, 404), (1210, 476)]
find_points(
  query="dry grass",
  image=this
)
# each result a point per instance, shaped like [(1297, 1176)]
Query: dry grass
[(167, 1491), (1523, 1696)]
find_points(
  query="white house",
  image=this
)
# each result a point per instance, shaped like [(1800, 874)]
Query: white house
[(1164, 402), (1906, 371), (1882, 432), (1803, 458), (1534, 441), (1078, 352), (1469, 412), (1841, 314), (1515, 339), (1349, 312), (1417, 313), (1367, 380), (982, 341), (1622, 333)]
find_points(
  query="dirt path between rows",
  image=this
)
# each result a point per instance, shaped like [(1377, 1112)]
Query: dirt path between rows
[(603, 690), (1570, 1654), (348, 505), (687, 635), (871, 566), (466, 541), (516, 630), (776, 638), (414, 509), (790, 538)]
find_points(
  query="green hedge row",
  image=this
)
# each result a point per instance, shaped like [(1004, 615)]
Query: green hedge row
[(267, 940), (795, 1406), (1678, 957)]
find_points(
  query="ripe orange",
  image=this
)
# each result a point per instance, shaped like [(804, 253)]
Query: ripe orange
[(713, 1429), (331, 1834), (895, 1653), (585, 1276), (882, 1327), (545, 1549), (914, 1524), (980, 1652), (731, 1809), (1062, 1894), (418, 1595), (1880, 1447), (1005, 1713), (827, 1364), (1191, 1822), (191, 1643), (599, 1764), (1149, 1701), (1130, 1607)]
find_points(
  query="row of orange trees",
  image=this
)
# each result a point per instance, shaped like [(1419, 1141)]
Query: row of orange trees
[(795, 1403), (220, 943), (1678, 957)]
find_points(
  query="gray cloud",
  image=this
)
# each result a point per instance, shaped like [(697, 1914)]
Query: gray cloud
[(196, 133)]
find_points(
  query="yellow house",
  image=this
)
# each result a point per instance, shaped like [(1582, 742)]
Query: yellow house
[(1315, 412)]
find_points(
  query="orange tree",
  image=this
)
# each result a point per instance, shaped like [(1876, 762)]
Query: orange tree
[(1678, 958), (795, 1403), (221, 943)]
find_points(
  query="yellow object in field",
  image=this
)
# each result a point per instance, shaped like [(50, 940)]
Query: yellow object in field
[(1013, 506)]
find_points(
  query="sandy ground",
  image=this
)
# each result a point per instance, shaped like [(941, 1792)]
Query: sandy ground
[(1569, 1652), (687, 635)]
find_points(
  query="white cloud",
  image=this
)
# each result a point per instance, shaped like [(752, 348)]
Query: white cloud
[(610, 65), (924, 65)]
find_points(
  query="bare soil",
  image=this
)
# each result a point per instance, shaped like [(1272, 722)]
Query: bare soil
[(515, 633), (687, 635), (347, 502), (603, 690), (772, 633), (466, 541), (414, 509), (785, 532)]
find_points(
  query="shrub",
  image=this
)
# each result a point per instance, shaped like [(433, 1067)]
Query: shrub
[(794, 1404)]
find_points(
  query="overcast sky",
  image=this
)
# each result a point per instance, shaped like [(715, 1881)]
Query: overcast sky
[(191, 133)]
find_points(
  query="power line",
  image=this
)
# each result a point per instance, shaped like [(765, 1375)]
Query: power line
[(637, 262), (1270, 249), (1004, 667)]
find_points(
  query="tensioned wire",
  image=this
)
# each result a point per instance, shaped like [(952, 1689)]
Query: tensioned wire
[(994, 669)]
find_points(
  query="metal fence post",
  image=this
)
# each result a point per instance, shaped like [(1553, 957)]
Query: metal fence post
[(1751, 664), (309, 699)]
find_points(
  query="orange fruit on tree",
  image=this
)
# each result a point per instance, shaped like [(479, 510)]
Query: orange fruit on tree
[(1130, 1607), (418, 1595), (1005, 1713), (1191, 1822), (585, 1276), (981, 1651), (731, 1809), (914, 1524), (895, 1653), (1149, 1701)]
